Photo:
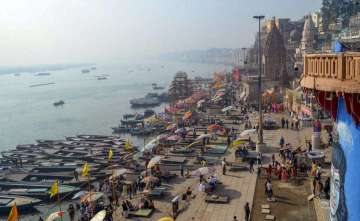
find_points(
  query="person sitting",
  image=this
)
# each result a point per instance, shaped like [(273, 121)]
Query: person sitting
[(146, 204), (188, 192), (124, 206), (151, 204), (129, 205)]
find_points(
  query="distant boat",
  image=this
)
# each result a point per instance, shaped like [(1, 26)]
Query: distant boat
[(59, 103), (156, 87), (43, 74), (149, 69), (102, 78), (93, 68), (43, 84), (16, 75), (85, 71)]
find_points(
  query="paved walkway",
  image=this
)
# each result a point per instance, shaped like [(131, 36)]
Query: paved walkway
[(239, 186)]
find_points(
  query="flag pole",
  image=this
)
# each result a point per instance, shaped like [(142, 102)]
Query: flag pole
[(112, 180), (58, 198)]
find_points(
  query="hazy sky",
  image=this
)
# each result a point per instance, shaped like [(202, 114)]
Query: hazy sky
[(58, 31)]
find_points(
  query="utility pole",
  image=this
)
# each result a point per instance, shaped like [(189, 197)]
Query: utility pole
[(260, 132), (244, 55)]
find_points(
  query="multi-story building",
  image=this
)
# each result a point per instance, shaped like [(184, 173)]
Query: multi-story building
[(334, 79)]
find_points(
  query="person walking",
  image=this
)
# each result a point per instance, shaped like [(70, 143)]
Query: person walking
[(273, 159), (287, 123), (282, 123), (309, 146), (71, 211), (269, 189), (182, 170), (247, 211), (251, 166), (228, 140), (282, 141), (223, 165)]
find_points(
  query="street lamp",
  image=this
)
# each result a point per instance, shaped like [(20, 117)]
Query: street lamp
[(260, 132)]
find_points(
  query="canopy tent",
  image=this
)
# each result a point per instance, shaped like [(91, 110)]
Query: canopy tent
[(227, 108), (181, 131), (203, 136), (150, 179), (118, 172), (55, 215), (187, 115), (202, 171), (173, 138), (238, 142), (247, 132), (215, 128), (100, 216), (171, 126), (167, 218), (155, 160), (92, 196), (154, 120)]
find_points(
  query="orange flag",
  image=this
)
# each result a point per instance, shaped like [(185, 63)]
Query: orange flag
[(14, 215)]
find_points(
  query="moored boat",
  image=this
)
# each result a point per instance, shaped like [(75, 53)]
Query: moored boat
[(22, 203), (35, 190)]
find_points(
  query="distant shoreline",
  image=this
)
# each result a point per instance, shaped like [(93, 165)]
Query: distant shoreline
[(39, 68)]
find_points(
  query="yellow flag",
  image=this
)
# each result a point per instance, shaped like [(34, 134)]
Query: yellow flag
[(110, 154), (128, 144), (236, 143), (54, 189), (86, 170), (14, 215)]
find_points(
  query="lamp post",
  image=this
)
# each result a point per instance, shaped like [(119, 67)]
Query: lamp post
[(244, 55), (260, 132)]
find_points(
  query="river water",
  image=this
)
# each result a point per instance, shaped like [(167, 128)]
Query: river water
[(91, 106)]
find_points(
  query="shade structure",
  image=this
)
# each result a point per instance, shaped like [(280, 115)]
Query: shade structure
[(79, 194), (100, 216), (92, 196), (151, 144), (171, 126), (55, 216), (187, 115), (149, 179), (118, 172), (247, 132), (214, 128), (155, 160), (173, 138), (181, 131), (238, 141), (203, 136), (202, 171), (167, 218), (227, 108), (193, 144)]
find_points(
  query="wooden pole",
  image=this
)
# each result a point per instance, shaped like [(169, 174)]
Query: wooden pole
[(58, 198)]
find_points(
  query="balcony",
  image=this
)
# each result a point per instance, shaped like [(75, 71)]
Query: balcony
[(338, 72)]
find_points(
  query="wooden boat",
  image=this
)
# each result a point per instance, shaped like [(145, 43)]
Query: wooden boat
[(22, 203), (64, 178), (35, 190)]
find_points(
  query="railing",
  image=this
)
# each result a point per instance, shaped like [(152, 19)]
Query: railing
[(341, 66)]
